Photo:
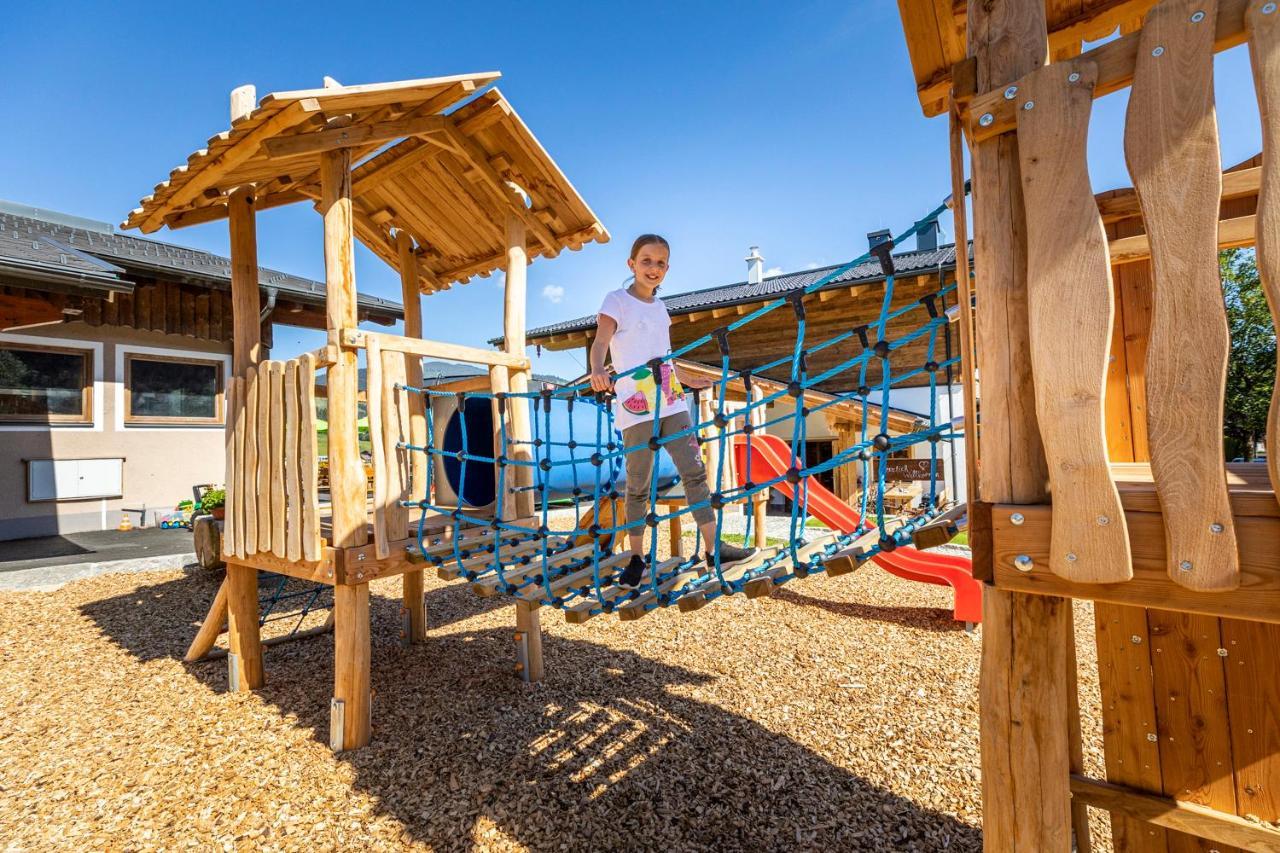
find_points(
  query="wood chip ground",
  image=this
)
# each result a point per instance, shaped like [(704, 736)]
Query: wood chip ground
[(838, 714)]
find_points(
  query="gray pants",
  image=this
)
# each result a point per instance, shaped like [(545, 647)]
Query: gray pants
[(684, 452)]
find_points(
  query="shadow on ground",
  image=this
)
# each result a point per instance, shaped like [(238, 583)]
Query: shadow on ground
[(613, 751), (925, 618)]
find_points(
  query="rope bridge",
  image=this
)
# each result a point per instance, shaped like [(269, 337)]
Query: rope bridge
[(575, 571)]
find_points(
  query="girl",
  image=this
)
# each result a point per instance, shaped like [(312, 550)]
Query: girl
[(634, 328)]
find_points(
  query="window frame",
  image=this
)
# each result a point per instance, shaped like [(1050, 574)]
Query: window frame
[(126, 387), (87, 381)]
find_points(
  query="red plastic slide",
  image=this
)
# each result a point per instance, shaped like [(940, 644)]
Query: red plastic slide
[(769, 455)]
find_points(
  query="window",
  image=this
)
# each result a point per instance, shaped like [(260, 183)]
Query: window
[(164, 390), (45, 385)]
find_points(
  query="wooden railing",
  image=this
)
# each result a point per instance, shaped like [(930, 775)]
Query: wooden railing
[(1172, 151), (272, 504)]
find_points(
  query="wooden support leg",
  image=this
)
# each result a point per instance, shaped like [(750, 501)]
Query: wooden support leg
[(415, 608), (1025, 737), (211, 627), (1079, 811), (351, 666), (528, 641), (245, 661)]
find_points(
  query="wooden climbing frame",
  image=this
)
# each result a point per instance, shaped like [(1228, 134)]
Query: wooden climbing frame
[(441, 180), (1101, 340)]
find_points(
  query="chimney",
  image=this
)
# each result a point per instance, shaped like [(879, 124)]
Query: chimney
[(875, 238), (755, 266), (927, 236)]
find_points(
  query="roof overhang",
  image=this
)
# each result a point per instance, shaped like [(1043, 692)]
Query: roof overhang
[(440, 158)]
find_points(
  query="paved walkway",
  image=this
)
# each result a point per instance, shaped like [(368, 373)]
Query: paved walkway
[(48, 562)]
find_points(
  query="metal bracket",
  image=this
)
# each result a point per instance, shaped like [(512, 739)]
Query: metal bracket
[(337, 717)]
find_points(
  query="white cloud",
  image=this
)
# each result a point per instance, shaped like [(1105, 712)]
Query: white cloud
[(812, 265), (773, 271), (553, 293)]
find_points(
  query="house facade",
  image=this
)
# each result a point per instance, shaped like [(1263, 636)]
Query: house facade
[(114, 356)]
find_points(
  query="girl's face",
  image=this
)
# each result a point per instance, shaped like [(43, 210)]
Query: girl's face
[(650, 266)]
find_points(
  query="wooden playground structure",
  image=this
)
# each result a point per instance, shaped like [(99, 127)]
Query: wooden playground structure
[(1096, 477), (1100, 450)]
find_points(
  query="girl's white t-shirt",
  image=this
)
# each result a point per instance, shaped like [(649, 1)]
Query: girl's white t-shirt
[(644, 333)]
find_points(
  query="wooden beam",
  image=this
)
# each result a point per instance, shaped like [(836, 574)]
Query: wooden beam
[(1232, 233), (513, 324), (414, 601), (1190, 818), (1257, 598), (389, 164), (1116, 61), (314, 142), (214, 212), (1115, 205), (351, 660), (356, 338), (212, 170)]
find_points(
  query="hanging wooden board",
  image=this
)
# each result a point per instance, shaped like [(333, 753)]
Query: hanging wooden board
[(1264, 51), (1071, 311), (1171, 146)]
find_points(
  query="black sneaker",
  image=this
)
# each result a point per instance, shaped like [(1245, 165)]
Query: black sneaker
[(730, 555), (633, 573)]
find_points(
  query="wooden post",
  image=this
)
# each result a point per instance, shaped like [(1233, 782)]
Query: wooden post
[(411, 296), (245, 661), (528, 641), (500, 383), (351, 662), (1025, 735), (347, 483), (513, 321)]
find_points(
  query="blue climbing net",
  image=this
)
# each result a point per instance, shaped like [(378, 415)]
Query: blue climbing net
[(525, 558)]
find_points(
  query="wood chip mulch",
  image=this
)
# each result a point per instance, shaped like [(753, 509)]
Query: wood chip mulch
[(839, 714)]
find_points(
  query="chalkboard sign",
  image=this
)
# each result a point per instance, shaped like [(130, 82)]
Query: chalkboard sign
[(903, 470)]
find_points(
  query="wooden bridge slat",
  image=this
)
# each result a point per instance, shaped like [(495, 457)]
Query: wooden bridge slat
[(1253, 697), (248, 474), (1171, 146), (395, 431), (374, 390), (1071, 311), (1264, 53)]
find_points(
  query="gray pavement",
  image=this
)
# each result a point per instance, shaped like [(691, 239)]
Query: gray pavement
[(48, 562)]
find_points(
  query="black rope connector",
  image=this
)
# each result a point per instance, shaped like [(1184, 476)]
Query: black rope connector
[(717, 501), (543, 530), (500, 396), (654, 444), (502, 461), (544, 464), (793, 475), (748, 428), (882, 252), (457, 514), (861, 332), (882, 349), (720, 420), (864, 390), (655, 364), (651, 519), (931, 366), (537, 442), (614, 494), (881, 441), (935, 438), (462, 399), (597, 460), (796, 298), (571, 444), (722, 339), (888, 544), (611, 447), (461, 456), (805, 411), (546, 399), (577, 492), (795, 389), (930, 303), (748, 485), (593, 529), (864, 454), (800, 570)]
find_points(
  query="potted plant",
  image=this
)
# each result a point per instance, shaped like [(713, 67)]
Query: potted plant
[(214, 501)]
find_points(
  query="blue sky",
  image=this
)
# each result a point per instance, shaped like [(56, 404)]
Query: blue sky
[(792, 126)]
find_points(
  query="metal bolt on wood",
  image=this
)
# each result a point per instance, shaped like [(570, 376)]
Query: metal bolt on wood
[(1010, 92), (1184, 566), (1103, 520), (1216, 528), (1074, 77), (1135, 639), (1268, 8), (1197, 17), (986, 119), (1071, 558), (1158, 51), (1029, 105), (1151, 737), (1023, 563), (1222, 653), (1017, 519)]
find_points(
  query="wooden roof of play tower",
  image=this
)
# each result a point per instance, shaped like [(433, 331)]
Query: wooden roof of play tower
[(936, 38), (431, 157)]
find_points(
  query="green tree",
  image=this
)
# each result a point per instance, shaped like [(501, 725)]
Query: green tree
[(1252, 369)]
